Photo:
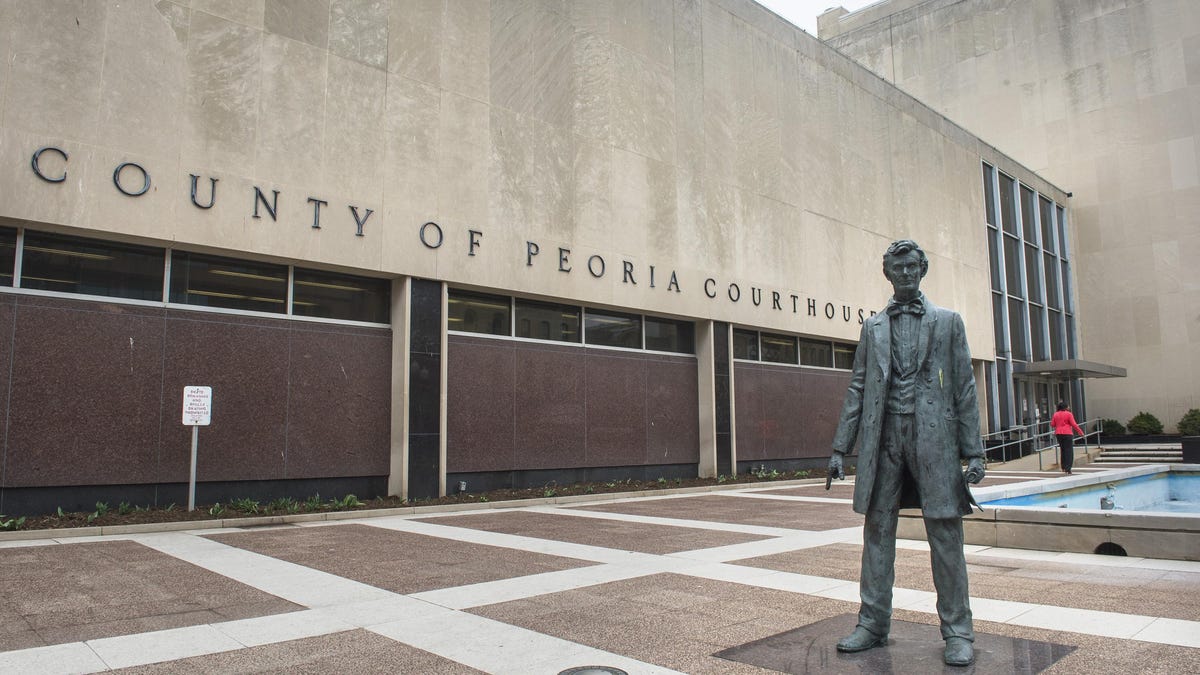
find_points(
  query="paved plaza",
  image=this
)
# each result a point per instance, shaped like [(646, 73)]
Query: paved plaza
[(697, 582)]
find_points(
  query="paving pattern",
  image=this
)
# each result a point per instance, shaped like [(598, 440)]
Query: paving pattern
[(654, 584)]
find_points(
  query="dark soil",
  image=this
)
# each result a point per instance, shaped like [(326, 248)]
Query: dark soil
[(125, 514)]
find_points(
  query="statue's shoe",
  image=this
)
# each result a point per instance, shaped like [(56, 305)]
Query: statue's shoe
[(959, 652), (861, 640)]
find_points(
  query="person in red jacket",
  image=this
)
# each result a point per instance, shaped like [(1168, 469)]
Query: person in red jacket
[(1064, 427)]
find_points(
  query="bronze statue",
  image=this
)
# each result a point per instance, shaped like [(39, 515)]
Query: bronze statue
[(911, 405)]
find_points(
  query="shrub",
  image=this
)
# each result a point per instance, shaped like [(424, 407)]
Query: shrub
[(1111, 427), (1144, 423), (1190, 424)]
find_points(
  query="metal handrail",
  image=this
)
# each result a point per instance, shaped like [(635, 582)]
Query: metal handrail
[(1027, 440)]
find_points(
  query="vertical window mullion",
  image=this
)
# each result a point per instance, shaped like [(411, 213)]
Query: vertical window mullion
[(19, 255), (291, 288)]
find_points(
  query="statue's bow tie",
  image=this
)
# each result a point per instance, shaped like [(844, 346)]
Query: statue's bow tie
[(911, 307)]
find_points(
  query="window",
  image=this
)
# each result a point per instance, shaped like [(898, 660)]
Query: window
[(816, 353), (1045, 212), (613, 329), (666, 335), (745, 344), (211, 281), (1037, 323), (1012, 265), (1016, 329), (779, 349), (547, 321), (989, 195), (1029, 225), (1008, 200), (54, 262), (843, 356), (993, 240), (479, 313), (8, 255), (1033, 280), (340, 296), (998, 323), (1050, 266)]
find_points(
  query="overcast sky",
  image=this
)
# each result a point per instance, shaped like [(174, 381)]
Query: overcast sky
[(804, 13)]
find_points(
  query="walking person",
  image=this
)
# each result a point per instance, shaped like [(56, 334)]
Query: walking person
[(1064, 427)]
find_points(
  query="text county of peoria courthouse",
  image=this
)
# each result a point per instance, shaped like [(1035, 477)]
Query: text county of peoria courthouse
[(418, 242)]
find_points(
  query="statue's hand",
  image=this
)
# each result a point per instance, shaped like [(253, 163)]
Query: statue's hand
[(975, 470), (835, 466)]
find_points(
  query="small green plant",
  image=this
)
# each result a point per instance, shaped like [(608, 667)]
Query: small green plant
[(1190, 424), (589, 489), (245, 505), (678, 481), (313, 503), (1144, 423), (170, 507), (61, 513), (662, 481), (347, 502), (285, 504), (483, 498), (721, 479), (124, 508), (11, 523), (610, 485), (1111, 427), (101, 509), (800, 473), (216, 510)]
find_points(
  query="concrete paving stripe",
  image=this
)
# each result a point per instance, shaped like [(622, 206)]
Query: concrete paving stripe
[(496, 647), (757, 549), (792, 498), (265, 630), (520, 588), (514, 541), (1084, 621), (125, 651), (292, 582), (73, 657), (672, 522)]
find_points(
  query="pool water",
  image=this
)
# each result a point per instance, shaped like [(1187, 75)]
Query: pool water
[(1170, 491)]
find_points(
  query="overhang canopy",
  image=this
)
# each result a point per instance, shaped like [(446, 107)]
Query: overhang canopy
[(1066, 369)]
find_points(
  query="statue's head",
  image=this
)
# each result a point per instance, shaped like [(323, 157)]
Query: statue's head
[(905, 264)]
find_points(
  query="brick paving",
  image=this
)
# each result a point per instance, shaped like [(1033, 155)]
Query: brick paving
[(650, 585)]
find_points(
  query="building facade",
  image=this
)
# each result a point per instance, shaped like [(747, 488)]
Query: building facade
[(416, 243), (1103, 98)]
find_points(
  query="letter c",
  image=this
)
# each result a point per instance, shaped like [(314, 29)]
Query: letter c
[(37, 156), (708, 290)]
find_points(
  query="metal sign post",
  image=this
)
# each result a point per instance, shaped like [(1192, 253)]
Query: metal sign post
[(197, 412)]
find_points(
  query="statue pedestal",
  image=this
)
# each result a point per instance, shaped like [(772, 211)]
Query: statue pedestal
[(912, 648)]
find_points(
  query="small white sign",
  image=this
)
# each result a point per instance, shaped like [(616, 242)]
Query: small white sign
[(197, 406)]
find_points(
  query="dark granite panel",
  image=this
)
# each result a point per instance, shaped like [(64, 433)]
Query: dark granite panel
[(748, 408), (247, 367), (616, 409), (721, 401), (44, 500), (425, 317), (785, 412), (481, 405), (549, 428), (673, 431), (483, 481), (724, 453), (86, 385), (721, 348), (424, 393), (339, 413), (423, 465), (823, 393), (7, 322)]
